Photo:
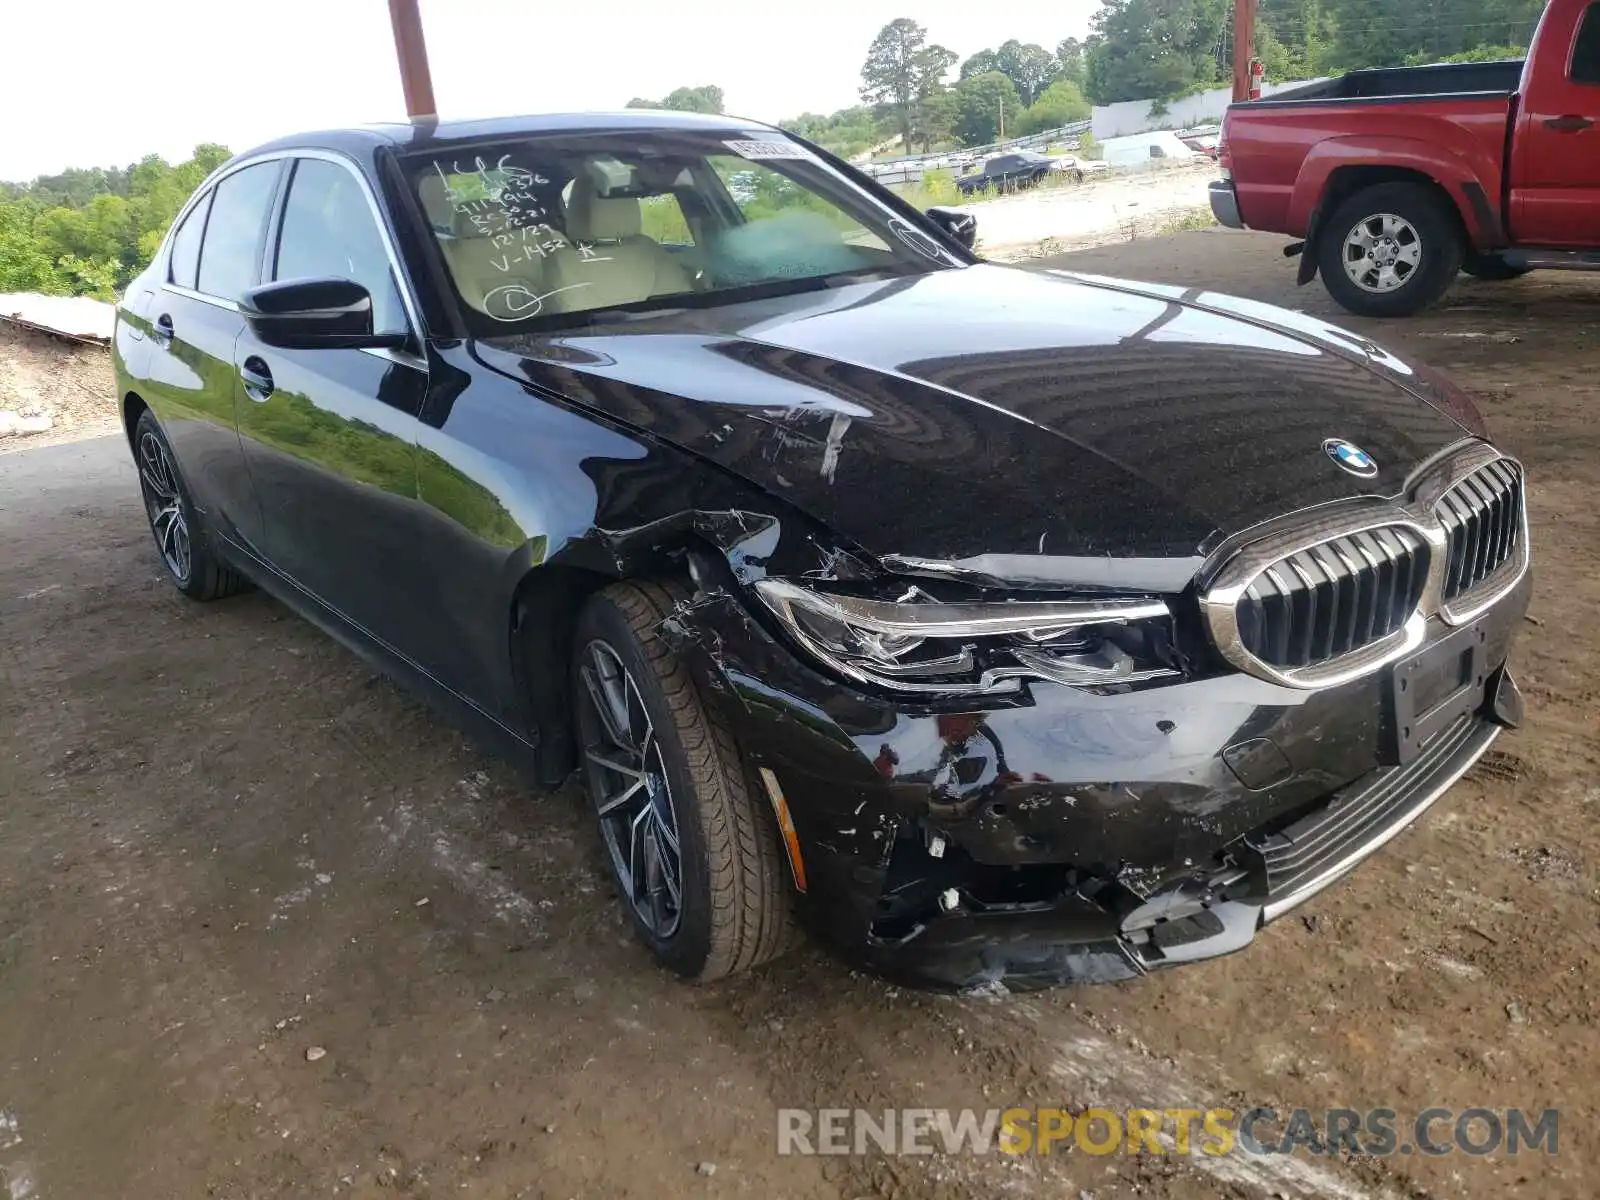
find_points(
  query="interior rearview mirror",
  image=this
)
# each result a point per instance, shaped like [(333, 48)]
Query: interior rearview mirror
[(314, 314), (961, 226)]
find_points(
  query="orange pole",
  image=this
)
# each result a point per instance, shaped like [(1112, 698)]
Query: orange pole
[(1244, 35), (412, 52)]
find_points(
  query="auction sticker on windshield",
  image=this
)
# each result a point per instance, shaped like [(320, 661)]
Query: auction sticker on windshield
[(756, 150)]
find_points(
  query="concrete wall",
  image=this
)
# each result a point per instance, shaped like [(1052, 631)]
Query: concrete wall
[(1204, 108)]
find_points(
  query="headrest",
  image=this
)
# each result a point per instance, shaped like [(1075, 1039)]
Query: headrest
[(593, 218)]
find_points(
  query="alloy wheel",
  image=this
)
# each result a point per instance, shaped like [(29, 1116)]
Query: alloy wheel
[(163, 503), (628, 784), (1382, 252)]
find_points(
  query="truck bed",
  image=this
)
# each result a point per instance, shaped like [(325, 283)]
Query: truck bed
[(1396, 83)]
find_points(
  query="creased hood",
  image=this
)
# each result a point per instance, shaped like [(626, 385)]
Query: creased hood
[(998, 411)]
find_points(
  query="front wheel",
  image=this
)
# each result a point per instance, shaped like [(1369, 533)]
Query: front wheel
[(692, 849), (1390, 250)]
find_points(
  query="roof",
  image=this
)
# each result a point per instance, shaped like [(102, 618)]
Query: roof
[(430, 135)]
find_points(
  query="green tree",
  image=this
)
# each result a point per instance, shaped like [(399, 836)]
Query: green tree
[(980, 63), (1154, 49), (893, 75), (980, 103), (88, 231), (705, 99), (1069, 59), (1029, 66), (1060, 104)]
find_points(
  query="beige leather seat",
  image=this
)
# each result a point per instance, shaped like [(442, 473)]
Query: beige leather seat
[(481, 262), (610, 261)]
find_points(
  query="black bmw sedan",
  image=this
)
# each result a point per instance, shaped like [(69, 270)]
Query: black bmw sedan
[(997, 625)]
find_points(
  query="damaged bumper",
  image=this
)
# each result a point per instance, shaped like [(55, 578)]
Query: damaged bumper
[(1074, 835)]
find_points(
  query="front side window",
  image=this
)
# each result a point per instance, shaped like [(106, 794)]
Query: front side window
[(1586, 51), (328, 231), (231, 254), (183, 265), (558, 228)]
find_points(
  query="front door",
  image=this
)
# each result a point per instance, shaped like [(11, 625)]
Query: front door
[(1555, 196), (330, 434)]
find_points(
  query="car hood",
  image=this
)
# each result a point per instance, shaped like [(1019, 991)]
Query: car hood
[(994, 411)]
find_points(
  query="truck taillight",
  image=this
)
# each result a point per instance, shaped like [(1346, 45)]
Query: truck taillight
[(1224, 158)]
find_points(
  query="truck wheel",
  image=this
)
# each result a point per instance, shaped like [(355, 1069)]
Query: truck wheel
[(1390, 250), (1491, 267)]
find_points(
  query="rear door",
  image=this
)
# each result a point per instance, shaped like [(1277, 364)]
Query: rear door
[(189, 374), (1555, 198), (330, 434)]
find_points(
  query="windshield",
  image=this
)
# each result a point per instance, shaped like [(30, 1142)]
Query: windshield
[(556, 229)]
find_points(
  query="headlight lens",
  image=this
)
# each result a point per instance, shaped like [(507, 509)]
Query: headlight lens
[(919, 644)]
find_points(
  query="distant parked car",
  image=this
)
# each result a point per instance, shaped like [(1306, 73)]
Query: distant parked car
[(1205, 143), (1008, 172)]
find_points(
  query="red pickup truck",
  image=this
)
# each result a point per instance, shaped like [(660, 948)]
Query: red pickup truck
[(1397, 179)]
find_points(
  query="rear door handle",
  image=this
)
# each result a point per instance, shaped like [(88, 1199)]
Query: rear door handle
[(1571, 123), (161, 332), (257, 378)]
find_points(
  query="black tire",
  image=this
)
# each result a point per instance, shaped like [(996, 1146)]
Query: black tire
[(736, 899), (198, 573), (1491, 268), (1436, 230)]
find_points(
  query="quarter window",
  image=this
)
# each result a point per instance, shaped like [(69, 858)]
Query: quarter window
[(1586, 53), (183, 265), (329, 232), (232, 251)]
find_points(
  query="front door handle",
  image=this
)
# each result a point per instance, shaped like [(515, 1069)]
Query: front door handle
[(161, 332), (1571, 123), (257, 378)]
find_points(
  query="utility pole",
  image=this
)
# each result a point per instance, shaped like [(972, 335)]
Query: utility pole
[(1000, 109), (412, 53), (1244, 37)]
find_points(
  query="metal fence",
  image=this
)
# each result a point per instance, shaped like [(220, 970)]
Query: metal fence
[(910, 169)]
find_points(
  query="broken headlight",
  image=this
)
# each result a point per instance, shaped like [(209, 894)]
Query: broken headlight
[(917, 643)]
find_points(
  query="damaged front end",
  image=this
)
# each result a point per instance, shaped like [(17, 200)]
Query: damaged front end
[(1034, 785)]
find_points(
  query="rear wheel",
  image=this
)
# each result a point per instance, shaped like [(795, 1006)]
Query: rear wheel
[(692, 850), (1390, 250), (1491, 267), (193, 567)]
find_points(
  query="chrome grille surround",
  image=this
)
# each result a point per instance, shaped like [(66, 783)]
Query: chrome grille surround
[(1334, 554)]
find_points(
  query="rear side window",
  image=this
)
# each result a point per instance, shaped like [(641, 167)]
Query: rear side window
[(184, 262), (1586, 53), (329, 231), (232, 249)]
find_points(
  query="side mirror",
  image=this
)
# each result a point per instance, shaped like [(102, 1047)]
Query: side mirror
[(959, 226), (314, 314)]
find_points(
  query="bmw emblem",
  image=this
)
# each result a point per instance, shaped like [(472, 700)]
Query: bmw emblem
[(1350, 457)]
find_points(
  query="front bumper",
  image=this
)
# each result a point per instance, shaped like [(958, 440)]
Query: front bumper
[(1078, 836), (1225, 203)]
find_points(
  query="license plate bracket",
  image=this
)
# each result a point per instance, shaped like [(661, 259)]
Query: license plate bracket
[(1436, 687)]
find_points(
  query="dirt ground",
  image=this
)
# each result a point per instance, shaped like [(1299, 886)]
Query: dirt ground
[(226, 844), (48, 376)]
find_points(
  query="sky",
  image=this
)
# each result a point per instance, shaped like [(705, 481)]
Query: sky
[(106, 82)]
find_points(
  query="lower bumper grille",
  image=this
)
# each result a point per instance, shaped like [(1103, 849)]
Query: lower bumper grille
[(1306, 856)]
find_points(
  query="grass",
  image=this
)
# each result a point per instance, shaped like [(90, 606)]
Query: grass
[(1187, 219)]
